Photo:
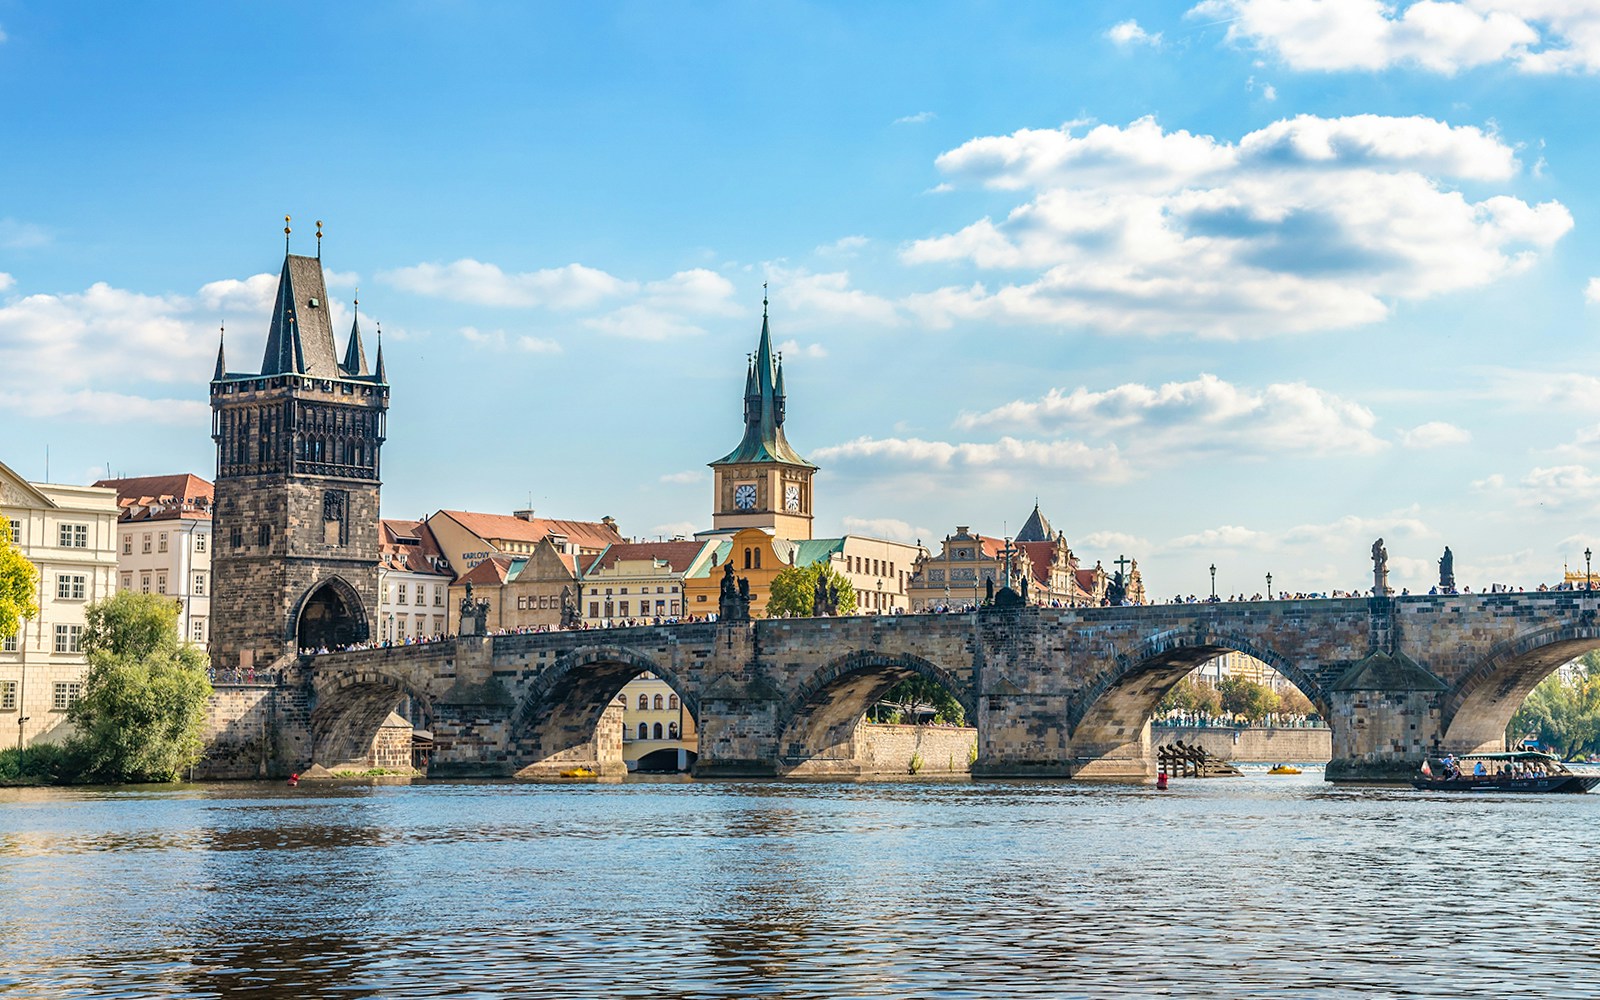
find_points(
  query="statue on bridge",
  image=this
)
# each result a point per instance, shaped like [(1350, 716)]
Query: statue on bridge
[(569, 609), (733, 604), (1116, 590), (825, 600), (474, 615), (1380, 569), (1447, 572)]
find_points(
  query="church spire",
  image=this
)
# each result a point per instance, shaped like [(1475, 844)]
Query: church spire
[(355, 354), (382, 378), (222, 364), (764, 407)]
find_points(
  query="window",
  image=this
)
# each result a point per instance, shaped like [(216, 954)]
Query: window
[(199, 585), (127, 580), (400, 594), (161, 542), (144, 583), (197, 629), (657, 728), (438, 596), (644, 704), (622, 608), (594, 609), (522, 604), (8, 696), (67, 637), (65, 694), (200, 541), (145, 546), (658, 703), (161, 583), (236, 537), (16, 531), (69, 586), (672, 702), (74, 536), (9, 644), (264, 535), (127, 545), (644, 729), (421, 595)]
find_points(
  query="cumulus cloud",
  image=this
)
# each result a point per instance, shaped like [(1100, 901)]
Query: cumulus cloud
[(1127, 33), (572, 286), (1591, 291), (792, 349), (916, 119), (1559, 488), (1308, 223), (499, 340), (17, 235), (885, 527), (1007, 455), (1203, 415), (1118, 540), (102, 355), (1341, 534), (683, 478), (1434, 434), (1443, 36), (825, 296)]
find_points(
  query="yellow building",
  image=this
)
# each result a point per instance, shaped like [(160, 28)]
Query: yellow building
[(658, 731)]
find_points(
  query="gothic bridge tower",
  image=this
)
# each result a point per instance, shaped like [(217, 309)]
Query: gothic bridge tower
[(295, 562)]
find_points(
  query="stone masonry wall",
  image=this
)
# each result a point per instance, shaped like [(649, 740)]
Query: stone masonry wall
[(1253, 745), (890, 749)]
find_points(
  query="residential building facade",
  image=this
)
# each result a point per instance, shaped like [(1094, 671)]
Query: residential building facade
[(641, 580), (658, 732), (165, 542), (413, 582), (70, 535)]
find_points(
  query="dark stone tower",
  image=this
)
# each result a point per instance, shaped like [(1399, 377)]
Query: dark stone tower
[(295, 561)]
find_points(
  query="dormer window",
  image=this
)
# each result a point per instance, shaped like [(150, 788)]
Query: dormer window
[(313, 302)]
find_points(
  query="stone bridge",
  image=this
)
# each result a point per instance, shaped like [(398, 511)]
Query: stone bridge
[(1052, 692)]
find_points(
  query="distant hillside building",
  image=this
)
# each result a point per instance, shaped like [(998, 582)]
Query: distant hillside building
[(165, 544)]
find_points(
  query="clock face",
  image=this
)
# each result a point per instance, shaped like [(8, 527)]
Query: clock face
[(791, 496), (744, 497)]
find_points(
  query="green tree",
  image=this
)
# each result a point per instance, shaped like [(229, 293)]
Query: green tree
[(914, 692), (793, 591), (1563, 712), (144, 698), (1190, 695), (19, 582), (1241, 696)]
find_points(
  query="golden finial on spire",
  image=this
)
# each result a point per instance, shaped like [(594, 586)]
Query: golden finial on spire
[(319, 239), (286, 234)]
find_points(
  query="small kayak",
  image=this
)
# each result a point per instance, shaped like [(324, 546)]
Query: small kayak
[(1284, 769)]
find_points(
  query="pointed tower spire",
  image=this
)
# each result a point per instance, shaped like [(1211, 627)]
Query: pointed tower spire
[(382, 378), (222, 365), (763, 406), (355, 355)]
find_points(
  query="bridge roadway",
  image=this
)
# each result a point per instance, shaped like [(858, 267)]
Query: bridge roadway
[(1053, 692)]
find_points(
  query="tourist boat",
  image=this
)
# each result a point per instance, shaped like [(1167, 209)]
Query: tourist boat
[(1556, 777), (1283, 769)]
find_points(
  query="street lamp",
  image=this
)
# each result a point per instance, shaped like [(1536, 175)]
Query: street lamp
[(20, 720), (880, 595), (1213, 581), (1269, 586), (1588, 580)]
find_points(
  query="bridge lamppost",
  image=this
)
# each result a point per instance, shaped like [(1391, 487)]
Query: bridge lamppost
[(1588, 578), (1269, 586), (1213, 582), (880, 595)]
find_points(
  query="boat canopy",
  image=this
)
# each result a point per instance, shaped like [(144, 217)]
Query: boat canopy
[(1516, 755)]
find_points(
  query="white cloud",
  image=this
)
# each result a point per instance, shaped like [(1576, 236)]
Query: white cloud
[(811, 296), (916, 119), (573, 286), (1343, 534), (844, 246), (1559, 488), (792, 349), (341, 279), (1204, 415), (1591, 291), (255, 294), (16, 235), (1126, 33), (682, 478), (1112, 540), (1434, 434), (1230, 536), (1006, 456), (103, 407), (1306, 224), (675, 529), (2, 34), (6, 281), (885, 527), (499, 340), (1444, 36)]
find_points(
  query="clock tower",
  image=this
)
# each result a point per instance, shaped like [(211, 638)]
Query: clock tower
[(763, 483)]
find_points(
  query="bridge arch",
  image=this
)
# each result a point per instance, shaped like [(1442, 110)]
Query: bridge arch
[(556, 725), (1477, 710), (330, 614), (816, 725), (1106, 718), (350, 708)]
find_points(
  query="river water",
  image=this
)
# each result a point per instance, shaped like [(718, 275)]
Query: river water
[(1247, 887)]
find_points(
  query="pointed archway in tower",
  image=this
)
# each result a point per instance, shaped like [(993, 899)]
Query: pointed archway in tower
[(331, 616)]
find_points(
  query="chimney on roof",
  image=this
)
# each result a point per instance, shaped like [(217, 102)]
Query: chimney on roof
[(525, 515), (609, 522)]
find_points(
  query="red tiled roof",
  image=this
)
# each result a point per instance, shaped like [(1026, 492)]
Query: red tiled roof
[(679, 555), (1086, 579), (584, 534), (162, 498), (415, 542), (492, 570), (1040, 555)]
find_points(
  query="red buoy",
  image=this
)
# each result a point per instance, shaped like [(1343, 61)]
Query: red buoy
[(294, 780), (1161, 781)]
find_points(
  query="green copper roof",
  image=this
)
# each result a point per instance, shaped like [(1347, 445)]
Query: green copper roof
[(810, 551), (764, 411)]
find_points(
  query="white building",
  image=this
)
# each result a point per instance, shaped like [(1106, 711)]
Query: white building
[(70, 534), (164, 544), (413, 582)]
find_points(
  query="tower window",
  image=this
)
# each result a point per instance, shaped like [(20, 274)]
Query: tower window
[(264, 535)]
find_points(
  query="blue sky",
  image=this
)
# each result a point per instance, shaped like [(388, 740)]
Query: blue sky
[(1237, 282)]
